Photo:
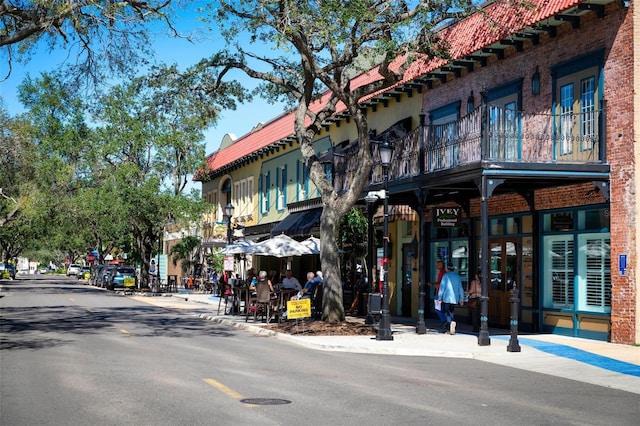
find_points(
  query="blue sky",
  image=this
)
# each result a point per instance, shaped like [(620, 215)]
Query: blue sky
[(238, 122)]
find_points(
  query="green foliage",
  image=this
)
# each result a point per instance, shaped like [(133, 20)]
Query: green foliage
[(353, 233), (17, 165), (104, 186), (103, 38), (187, 252), (216, 260)]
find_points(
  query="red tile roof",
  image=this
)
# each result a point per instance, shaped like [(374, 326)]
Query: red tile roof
[(464, 38)]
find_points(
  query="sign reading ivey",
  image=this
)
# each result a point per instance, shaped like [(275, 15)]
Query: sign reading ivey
[(446, 217)]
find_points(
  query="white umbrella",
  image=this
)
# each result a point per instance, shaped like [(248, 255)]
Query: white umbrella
[(241, 247), (313, 244), (281, 246)]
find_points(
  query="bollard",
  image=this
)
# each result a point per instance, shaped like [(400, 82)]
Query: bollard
[(514, 346)]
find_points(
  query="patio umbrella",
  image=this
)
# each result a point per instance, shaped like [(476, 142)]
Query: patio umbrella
[(281, 246), (241, 247), (313, 244)]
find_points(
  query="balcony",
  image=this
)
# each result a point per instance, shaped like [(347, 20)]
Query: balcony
[(494, 137)]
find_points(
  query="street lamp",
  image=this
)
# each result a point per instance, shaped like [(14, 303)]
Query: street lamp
[(384, 330), (228, 210)]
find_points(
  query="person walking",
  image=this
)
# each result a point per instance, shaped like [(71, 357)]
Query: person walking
[(473, 302), (436, 284), (450, 294)]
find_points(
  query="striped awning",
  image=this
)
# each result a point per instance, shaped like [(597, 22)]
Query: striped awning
[(399, 212)]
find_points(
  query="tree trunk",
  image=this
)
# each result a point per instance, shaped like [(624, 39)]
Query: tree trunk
[(145, 247), (332, 304)]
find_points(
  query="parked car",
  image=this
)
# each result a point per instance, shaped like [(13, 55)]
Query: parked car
[(122, 277), (103, 275), (73, 269), (7, 271), (85, 273), (95, 274)]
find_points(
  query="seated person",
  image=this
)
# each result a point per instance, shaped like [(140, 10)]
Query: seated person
[(262, 279), (312, 281), (290, 282)]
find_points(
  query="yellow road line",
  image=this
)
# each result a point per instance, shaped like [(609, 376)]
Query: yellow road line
[(88, 310), (123, 331), (226, 390)]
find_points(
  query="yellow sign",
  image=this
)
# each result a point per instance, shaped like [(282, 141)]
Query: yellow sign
[(129, 282), (299, 308)]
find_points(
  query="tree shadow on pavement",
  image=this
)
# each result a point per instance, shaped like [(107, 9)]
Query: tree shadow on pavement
[(48, 326)]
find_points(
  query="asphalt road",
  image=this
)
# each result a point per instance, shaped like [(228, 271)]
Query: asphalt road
[(72, 354)]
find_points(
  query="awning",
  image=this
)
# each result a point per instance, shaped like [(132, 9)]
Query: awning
[(298, 224), (396, 212)]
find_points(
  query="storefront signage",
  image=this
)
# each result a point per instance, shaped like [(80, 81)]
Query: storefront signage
[(562, 221), (299, 308), (229, 262), (447, 217)]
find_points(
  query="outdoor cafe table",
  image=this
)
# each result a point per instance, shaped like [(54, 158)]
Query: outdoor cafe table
[(242, 293), (283, 297)]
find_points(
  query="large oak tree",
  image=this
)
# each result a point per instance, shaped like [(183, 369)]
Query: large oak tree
[(99, 35), (308, 53)]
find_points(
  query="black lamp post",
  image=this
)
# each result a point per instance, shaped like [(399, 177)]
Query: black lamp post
[(228, 210), (384, 330)]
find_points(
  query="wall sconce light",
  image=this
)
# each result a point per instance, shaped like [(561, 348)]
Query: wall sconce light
[(414, 249), (535, 82), (471, 103)]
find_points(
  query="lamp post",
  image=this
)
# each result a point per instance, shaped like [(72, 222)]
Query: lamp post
[(228, 210), (384, 330)]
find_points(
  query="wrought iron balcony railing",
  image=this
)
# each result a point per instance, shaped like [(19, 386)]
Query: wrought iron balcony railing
[(496, 134)]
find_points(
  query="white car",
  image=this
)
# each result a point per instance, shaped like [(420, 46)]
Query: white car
[(74, 269)]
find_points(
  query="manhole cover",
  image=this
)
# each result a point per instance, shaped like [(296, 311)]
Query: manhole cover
[(265, 401)]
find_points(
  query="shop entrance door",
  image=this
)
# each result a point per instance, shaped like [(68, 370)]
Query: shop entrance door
[(406, 280), (504, 267)]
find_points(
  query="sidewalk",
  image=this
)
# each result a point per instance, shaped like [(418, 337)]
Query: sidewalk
[(601, 363)]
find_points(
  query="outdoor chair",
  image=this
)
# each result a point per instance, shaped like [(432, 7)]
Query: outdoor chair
[(226, 294), (262, 301), (316, 302)]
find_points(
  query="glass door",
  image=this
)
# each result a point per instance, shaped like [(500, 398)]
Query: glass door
[(504, 267), (407, 269)]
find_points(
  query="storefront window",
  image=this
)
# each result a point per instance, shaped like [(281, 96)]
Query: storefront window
[(558, 222), (441, 233), (577, 272), (594, 273), (496, 227), (454, 252), (594, 220), (559, 271), (512, 225)]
